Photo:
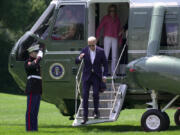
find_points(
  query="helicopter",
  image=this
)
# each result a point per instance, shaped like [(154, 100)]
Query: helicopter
[(150, 77)]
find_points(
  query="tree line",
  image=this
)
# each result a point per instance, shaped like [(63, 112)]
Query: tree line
[(16, 17)]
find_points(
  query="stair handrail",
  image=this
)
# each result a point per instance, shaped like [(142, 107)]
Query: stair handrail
[(113, 85), (78, 83), (115, 101)]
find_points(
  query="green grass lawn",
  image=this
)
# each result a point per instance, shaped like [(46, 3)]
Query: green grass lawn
[(12, 121)]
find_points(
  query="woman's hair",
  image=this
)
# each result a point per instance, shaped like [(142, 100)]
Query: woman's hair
[(112, 6)]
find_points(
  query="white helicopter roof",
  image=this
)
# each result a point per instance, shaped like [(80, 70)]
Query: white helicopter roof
[(141, 3), (147, 3), (107, 1)]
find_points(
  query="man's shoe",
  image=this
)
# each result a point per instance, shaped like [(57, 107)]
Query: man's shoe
[(84, 120), (96, 115)]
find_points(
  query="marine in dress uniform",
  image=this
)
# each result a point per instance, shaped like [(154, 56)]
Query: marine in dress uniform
[(94, 59), (33, 87)]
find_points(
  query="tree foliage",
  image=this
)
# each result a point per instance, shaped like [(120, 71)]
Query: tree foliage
[(16, 17), (18, 14)]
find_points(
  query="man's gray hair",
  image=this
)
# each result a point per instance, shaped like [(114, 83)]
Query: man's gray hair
[(91, 39)]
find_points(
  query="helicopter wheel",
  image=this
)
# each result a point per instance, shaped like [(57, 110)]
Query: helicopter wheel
[(154, 120), (177, 117), (167, 123)]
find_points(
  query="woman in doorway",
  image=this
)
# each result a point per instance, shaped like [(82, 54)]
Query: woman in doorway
[(112, 32)]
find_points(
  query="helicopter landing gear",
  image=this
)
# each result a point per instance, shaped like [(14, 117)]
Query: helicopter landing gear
[(167, 123), (155, 119), (177, 117)]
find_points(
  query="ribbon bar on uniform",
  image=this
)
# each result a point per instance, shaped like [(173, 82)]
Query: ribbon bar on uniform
[(34, 76)]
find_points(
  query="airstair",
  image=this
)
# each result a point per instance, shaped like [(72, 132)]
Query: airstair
[(110, 101), (110, 105)]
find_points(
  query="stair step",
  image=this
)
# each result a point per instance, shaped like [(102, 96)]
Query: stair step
[(77, 122), (102, 104), (116, 77), (93, 118), (102, 112), (99, 108), (102, 100), (109, 87), (104, 95), (105, 92)]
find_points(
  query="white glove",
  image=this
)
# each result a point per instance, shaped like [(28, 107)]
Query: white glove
[(40, 54)]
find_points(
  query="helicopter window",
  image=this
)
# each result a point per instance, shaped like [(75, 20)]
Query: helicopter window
[(69, 24), (172, 34), (22, 53), (169, 34), (42, 26)]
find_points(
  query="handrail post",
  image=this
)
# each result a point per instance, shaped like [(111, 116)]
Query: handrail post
[(77, 91), (113, 85)]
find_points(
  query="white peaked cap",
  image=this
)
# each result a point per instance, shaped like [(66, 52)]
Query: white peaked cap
[(33, 48)]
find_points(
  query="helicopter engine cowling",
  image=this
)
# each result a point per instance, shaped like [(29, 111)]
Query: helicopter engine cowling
[(160, 73)]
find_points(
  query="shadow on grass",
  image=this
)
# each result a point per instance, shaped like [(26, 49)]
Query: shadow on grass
[(106, 128), (111, 128), (97, 128), (174, 128)]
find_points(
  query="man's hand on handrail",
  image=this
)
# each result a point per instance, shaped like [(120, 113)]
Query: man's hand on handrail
[(81, 56)]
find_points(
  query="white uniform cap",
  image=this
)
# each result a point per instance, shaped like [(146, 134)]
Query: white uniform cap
[(33, 48)]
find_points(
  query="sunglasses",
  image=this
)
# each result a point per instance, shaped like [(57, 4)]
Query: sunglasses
[(111, 10), (91, 45)]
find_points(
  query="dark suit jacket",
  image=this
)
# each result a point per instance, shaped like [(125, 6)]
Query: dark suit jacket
[(99, 62)]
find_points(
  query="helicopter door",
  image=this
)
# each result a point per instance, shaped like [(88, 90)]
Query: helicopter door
[(66, 40)]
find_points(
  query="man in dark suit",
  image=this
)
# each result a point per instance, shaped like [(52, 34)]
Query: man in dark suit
[(94, 59)]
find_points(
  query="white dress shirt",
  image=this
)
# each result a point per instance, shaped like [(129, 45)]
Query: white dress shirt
[(92, 55)]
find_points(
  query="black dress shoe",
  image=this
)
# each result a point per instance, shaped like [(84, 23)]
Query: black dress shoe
[(84, 120), (96, 115), (71, 118)]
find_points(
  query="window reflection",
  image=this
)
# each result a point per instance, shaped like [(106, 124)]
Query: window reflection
[(172, 34), (69, 24), (43, 26), (169, 34)]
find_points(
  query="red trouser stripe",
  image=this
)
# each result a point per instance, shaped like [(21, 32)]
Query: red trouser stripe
[(29, 122)]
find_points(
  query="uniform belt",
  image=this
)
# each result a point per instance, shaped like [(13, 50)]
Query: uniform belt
[(34, 76)]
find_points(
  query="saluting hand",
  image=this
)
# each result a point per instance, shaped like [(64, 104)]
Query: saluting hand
[(40, 54)]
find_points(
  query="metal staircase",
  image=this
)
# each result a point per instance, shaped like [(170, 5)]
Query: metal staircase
[(110, 101), (110, 105)]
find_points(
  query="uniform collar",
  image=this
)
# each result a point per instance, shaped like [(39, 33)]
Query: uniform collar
[(31, 58)]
